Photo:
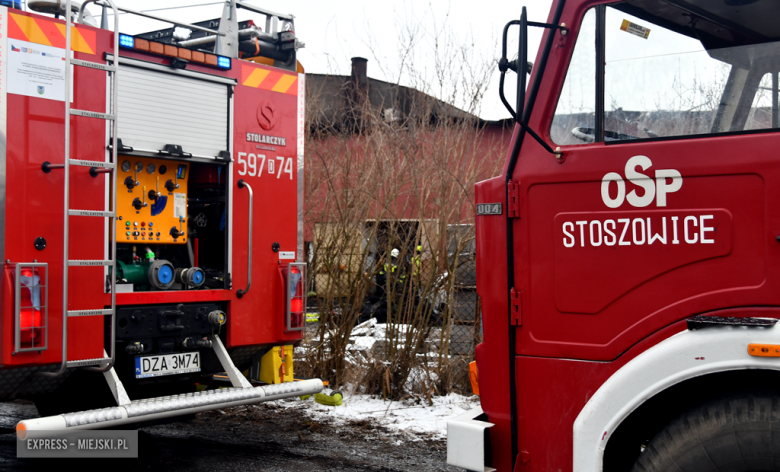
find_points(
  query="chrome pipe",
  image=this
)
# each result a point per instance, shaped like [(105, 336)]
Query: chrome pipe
[(246, 33), (165, 407)]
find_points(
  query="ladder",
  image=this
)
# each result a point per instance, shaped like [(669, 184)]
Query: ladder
[(96, 167)]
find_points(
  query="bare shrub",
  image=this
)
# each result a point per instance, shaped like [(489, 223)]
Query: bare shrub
[(393, 168)]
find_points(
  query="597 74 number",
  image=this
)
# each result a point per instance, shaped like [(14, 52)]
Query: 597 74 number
[(248, 165)]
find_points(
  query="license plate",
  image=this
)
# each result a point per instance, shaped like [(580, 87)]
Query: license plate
[(168, 364)]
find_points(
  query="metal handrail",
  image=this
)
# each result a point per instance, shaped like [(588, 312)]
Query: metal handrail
[(241, 293), (153, 17), (230, 33)]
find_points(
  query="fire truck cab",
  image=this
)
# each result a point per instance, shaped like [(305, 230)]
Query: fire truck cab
[(151, 211), (628, 259)]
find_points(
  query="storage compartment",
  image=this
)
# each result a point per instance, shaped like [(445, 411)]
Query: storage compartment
[(161, 108), (178, 240)]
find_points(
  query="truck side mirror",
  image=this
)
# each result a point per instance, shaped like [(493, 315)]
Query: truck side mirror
[(522, 58)]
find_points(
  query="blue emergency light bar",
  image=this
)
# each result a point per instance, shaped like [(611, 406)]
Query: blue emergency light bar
[(126, 41), (224, 62)]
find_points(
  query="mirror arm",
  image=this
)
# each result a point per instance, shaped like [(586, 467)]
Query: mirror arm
[(504, 64), (503, 98), (555, 152)]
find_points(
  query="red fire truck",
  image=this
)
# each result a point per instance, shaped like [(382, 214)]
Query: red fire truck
[(626, 255), (151, 213)]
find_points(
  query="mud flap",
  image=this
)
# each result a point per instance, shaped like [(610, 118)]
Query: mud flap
[(468, 441)]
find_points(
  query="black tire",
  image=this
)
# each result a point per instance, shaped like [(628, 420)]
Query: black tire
[(736, 433)]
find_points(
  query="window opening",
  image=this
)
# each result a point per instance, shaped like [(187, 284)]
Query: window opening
[(575, 116), (670, 70)]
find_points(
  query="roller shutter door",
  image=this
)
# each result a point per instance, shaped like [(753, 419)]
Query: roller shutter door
[(157, 108)]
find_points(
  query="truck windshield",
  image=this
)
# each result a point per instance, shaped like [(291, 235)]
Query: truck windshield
[(673, 68)]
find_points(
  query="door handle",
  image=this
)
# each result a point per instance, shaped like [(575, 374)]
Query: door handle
[(241, 293)]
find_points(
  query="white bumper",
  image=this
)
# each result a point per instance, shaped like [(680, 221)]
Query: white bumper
[(467, 441), (164, 407)]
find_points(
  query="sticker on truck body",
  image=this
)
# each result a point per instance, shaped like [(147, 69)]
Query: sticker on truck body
[(179, 205)]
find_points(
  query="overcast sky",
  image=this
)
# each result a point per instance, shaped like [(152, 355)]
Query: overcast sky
[(335, 31)]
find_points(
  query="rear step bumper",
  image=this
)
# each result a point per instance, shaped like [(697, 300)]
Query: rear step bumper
[(164, 407)]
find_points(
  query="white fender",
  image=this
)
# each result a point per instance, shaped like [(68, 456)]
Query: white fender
[(683, 356)]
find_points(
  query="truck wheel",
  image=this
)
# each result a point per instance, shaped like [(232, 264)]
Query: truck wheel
[(736, 433)]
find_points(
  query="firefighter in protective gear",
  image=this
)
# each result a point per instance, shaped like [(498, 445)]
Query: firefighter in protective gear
[(392, 267), (396, 276), (416, 265), (387, 268)]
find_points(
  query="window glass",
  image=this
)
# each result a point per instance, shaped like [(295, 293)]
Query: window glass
[(576, 110), (761, 114), (669, 72), (662, 82)]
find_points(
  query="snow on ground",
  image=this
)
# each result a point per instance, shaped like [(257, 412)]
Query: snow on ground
[(415, 418)]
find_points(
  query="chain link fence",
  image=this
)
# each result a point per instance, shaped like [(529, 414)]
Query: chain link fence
[(416, 334)]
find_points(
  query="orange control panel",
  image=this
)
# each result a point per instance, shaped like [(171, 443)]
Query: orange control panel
[(151, 201)]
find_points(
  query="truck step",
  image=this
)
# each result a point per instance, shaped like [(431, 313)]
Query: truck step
[(81, 162), (163, 407), (93, 65), (90, 263), (90, 312), (86, 362), (704, 321), (104, 214), (92, 114)]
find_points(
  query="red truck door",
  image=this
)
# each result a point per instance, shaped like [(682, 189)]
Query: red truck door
[(660, 207)]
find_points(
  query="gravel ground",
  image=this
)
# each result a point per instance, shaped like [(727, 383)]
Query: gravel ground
[(258, 437)]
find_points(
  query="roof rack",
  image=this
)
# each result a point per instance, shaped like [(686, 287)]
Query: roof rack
[(224, 37)]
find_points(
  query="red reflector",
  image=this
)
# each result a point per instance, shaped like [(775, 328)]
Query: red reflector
[(296, 305), (29, 320)]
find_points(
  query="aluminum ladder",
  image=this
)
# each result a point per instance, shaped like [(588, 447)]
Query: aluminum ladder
[(106, 362)]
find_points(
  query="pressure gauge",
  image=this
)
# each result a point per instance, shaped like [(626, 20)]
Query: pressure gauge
[(163, 170), (150, 168), (126, 166), (139, 166)]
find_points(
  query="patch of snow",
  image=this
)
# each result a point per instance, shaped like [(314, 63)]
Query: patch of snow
[(362, 343), (364, 329), (416, 419)]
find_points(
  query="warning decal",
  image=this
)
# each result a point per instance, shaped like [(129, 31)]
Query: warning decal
[(50, 33), (269, 80)]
